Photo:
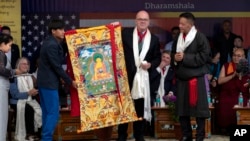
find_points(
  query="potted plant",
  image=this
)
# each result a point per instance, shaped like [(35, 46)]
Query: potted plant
[(170, 101)]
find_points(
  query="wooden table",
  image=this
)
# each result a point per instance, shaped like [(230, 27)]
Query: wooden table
[(67, 129), (243, 115), (164, 125)]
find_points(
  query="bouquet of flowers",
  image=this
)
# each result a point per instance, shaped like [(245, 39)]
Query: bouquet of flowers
[(170, 101)]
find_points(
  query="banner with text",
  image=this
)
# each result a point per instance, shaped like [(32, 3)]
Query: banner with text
[(132, 6), (10, 15)]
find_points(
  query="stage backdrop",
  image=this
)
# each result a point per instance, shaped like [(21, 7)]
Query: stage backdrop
[(164, 14), (99, 69)]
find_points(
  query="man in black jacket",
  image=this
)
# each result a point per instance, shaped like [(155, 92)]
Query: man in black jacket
[(163, 79), (224, 42), (190, 55), (49, 74)]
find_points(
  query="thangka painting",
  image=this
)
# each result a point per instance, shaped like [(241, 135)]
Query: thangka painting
[(99, 69), (96, 65)]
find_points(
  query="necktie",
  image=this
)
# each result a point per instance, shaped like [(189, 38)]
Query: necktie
[(163, 70), (141, 35)]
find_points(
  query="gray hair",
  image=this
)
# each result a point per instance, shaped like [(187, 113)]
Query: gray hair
[(19, 61)]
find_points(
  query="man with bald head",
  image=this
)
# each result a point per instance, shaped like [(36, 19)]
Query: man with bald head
[(142, 55), (233, 80)]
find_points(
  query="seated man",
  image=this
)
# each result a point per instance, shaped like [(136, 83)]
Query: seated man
[(232, 82), (29, 114), (162, 79), (162, 82)]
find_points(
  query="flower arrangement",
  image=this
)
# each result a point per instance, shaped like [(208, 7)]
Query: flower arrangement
[(170, 101)]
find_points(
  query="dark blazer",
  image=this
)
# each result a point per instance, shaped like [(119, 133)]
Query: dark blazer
[(169, 82), (153, 55), (15, 55), (50, 65)]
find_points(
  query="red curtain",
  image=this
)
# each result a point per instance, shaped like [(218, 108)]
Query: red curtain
[(241, 27)]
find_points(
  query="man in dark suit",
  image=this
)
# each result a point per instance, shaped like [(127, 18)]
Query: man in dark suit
[(49, 74), (14, 54), (162, 82), (142, 55), (162, 79)]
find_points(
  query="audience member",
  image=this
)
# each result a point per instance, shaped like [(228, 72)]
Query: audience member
[(5, 73), (191, 54), (162, 79), (238, 43), (48, 77), (224, 42), (214, 67), (175, 31), (14, 54), (142, 55), (232, 83), (162, 83), (28, 111)]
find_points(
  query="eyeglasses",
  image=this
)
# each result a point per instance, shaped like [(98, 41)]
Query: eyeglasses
[(142, 20), (237, 55), (24, 64)]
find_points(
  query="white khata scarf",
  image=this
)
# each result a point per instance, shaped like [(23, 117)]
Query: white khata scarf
[(183, 44), (161, 89), (24, 84), (140, 88)]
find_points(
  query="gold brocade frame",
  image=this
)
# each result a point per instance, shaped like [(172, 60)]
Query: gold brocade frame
[(99, 69)]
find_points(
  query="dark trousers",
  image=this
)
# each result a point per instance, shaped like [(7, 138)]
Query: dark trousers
[(29, 118), (187, 130), (138, 126)]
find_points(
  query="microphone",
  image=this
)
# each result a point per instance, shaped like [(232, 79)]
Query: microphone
[(242, 68)]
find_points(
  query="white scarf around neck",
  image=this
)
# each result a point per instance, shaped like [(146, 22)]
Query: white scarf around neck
[(161, 89), (140, 88), (25, 84), (145, 47), (183, 44)]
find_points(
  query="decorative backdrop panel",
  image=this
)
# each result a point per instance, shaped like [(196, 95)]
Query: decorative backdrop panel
[(99, 68)]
